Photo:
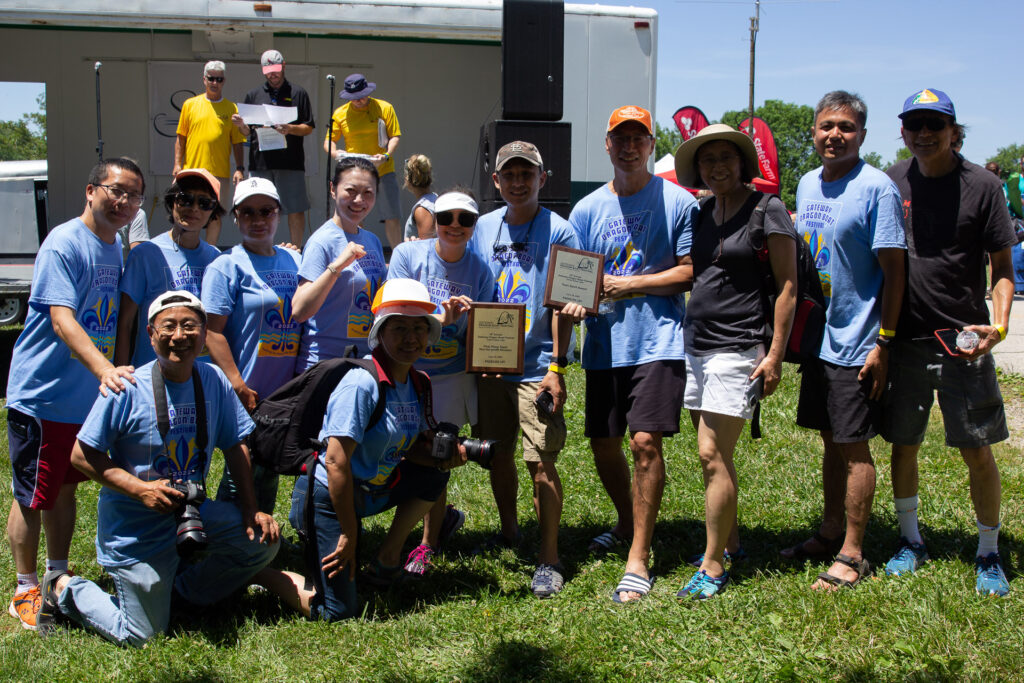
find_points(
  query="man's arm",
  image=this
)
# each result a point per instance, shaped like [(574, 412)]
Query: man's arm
[(561, 332), (239, 174), (678, 278), (179, 154), (237, 459), (1002, 297), (893, 263), (97, 465), (126, 315), (66, 327)]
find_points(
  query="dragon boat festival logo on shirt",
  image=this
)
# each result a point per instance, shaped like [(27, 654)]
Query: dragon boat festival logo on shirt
[(187, 277), (279, 334), (360, 317), (442, 290), (510, 257), (628, 234), (180, 458), (816, 223), (407, 424), (513, 287), (100, 320)]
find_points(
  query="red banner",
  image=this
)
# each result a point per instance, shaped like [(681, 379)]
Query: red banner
[(689, 121), (767, 154)]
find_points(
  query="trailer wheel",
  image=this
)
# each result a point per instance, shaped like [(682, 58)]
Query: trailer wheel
[(12, 310)]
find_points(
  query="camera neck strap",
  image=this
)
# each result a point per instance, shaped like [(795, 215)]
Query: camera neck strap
[(163, 419)]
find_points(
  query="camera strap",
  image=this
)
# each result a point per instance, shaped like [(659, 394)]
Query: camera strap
[(163, 419)]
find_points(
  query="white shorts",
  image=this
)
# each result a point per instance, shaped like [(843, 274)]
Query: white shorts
[(455, 398), (720, 383)]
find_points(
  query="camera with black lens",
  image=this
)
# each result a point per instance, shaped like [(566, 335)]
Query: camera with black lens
[(447, 441), (191, 538)]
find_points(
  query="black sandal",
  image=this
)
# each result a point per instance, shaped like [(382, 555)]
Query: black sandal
[(863, 568), (799, 552)]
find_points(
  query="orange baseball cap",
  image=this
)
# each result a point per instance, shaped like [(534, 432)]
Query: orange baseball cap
[(631, 113)]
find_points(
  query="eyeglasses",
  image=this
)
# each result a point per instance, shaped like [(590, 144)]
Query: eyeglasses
[(168, 328), (215, 79), (711, 162), (187, 199), (263, 212), (117, 194), (932, 123), (466, 220), (622, 140)]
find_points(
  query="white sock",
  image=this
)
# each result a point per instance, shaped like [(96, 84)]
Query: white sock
[(56, 565), (988, 539), (26, 582), (906, 513)]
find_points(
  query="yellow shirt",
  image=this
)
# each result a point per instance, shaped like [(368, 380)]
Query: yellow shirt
[(209, 134), (359, 127)]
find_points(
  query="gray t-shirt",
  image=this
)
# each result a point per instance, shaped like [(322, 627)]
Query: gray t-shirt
[(136, 231), (427, 202)]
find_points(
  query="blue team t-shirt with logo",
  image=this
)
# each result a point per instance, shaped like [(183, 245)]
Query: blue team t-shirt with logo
[(78, 270), (158, 266), (255, 293), (345, 317), (640, 234), (469, 276), (125, 426), (520, 276), (845, 223)]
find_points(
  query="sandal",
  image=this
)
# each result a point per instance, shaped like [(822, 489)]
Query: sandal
[(800, 553), (608, 542), (382, 576), (632, 583), (862, 567)]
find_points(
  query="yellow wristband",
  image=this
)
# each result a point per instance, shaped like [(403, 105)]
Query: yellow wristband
[(1001, 329), (886, 333), (556, 369)]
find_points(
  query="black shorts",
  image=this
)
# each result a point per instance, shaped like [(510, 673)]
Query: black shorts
[(641, 398), (833, 399)]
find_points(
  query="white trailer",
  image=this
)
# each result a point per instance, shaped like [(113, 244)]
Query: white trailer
[(437, 61)]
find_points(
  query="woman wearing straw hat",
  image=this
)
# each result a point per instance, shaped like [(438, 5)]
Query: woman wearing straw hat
[(728, 367)]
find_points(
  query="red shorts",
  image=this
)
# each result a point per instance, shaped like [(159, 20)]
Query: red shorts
[(40, 453)]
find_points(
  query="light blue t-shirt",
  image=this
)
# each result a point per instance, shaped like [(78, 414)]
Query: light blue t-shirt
[(520, 276), (345, 316), (469, 276), (76, 269), (255, 293), (845, 223), (158, 266), (125, 426), (380, 449), (638, 235)]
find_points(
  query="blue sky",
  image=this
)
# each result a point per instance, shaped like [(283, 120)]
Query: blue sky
[(884, 50)]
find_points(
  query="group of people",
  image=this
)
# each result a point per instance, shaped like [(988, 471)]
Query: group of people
[(901, 260)]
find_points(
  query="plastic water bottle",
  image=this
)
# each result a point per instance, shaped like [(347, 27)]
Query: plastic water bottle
[(967, 340)]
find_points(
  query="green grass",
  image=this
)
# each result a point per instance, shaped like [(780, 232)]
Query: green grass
[(474, 619)]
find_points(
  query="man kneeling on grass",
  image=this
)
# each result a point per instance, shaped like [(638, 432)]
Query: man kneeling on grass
[(149, 447)]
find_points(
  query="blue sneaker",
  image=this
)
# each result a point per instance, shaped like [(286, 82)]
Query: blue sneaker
[(702, 586), (991, 577), (908, 558)]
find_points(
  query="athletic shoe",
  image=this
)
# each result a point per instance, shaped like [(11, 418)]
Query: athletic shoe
[(25, 606), (908, 558), (991, 577), (547, 580), (49, 610), (453, 520), (419, 560), (739, 556), (702, 586)]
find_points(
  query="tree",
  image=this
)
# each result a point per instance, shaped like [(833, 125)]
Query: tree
[(26, 137), (875, 159), (665, 140), (1008, 159), (791, 125)]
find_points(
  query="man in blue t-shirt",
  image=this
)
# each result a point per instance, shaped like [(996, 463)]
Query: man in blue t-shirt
[(66, 346), (849, 214), (516, 241), (633, 352), (147, 446)]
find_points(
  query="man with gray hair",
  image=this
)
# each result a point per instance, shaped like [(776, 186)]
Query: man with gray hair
[(207, 138)]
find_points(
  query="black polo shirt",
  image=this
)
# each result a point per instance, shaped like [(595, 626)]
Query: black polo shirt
[(291, 158)]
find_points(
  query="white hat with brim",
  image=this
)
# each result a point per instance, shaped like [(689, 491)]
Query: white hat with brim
[(455, 200), (687, 173), (251, 187), (173, 299), (403, 297)]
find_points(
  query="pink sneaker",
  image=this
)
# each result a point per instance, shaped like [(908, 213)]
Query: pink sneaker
[(419, 560)]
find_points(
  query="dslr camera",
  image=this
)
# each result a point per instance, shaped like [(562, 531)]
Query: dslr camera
[(447, 441), (191, 537)]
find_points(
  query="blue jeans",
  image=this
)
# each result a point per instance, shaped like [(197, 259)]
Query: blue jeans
[(141, 605), (339, 600)]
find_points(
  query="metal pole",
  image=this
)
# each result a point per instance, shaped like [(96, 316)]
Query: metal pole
[(330, 129), (99, 131), (754, 26)]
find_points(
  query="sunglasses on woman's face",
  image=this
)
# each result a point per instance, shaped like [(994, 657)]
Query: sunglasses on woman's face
[(466, 220), (932, 123), (187, 199)]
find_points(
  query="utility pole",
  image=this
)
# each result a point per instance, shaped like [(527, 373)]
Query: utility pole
[(754, 26)]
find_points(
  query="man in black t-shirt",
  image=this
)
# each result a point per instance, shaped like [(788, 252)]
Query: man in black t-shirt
[(286, 168), (955, 213)]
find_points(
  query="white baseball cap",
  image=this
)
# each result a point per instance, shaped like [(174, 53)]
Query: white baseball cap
[(173, 299), (272, 61), (255, 186)]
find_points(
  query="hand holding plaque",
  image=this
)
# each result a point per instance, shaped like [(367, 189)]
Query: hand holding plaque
[(495, 338), (574, 276)]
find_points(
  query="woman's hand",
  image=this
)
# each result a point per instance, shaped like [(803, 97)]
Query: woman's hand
[(771, 369), (353, 251), (453, 308), (344, 556)]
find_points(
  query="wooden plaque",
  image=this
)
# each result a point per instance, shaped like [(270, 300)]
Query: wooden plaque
[(574, 276), (495, 338)]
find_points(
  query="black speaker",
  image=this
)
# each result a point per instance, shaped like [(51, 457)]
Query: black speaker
[(532, 59), (553, 140)]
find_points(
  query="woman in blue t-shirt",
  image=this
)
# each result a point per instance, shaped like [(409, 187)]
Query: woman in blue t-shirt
[(247, 293), (174, 260), (733, 355), (371, 467)]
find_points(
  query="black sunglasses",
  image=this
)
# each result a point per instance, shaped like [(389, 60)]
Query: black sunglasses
[(514, 247), (215, 79), (932, 123), (466, 220), (184, 199)]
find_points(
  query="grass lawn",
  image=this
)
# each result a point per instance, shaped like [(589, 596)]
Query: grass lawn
[(475, 619)]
